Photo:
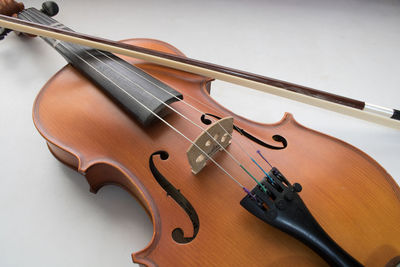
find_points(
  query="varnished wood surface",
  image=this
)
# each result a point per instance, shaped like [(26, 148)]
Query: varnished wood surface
[(333, 176), (47, 213)]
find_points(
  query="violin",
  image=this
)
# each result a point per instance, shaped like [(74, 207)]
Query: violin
[(157, 133)]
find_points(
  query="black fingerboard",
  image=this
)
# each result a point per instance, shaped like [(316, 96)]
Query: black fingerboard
[(141, 95)]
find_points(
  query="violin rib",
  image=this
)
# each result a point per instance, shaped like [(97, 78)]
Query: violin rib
[(353, 198)]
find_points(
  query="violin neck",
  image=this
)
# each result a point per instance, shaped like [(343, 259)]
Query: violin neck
[(120, 80)]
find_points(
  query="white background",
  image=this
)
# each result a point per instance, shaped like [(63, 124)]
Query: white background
[(351, 48)]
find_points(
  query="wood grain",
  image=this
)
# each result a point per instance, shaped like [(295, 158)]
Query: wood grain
[(353, 197)]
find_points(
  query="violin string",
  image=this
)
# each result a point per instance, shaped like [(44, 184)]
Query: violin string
[(32, 16), (200, 112), (196, 109), (160, 118), (51, 21), (186, 118), (241, 132), (166, 105), (183, 101)]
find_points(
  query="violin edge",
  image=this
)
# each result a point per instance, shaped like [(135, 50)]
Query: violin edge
[(85, 166), (97, 176)]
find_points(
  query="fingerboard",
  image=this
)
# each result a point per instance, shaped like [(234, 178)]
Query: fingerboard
[(141, 95)]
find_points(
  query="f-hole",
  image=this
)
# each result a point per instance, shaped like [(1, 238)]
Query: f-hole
[(177, 234), (277, 138)]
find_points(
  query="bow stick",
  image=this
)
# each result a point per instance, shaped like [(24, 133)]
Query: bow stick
[(356, 108)]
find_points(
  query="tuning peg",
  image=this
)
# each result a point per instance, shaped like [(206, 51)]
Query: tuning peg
[(50, 8)]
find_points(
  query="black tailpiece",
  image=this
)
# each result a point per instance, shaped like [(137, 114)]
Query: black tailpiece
[(282, 207)]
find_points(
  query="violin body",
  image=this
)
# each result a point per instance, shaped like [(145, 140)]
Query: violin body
[(353, 198)]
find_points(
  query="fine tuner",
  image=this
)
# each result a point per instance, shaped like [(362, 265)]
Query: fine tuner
[(220, 190)]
